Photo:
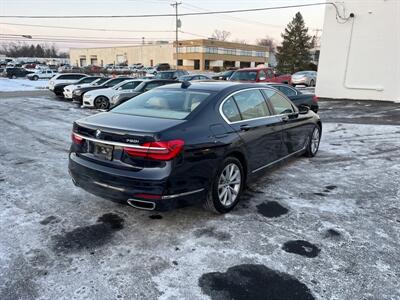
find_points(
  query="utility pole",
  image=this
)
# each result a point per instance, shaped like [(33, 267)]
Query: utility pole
[(177, 26)]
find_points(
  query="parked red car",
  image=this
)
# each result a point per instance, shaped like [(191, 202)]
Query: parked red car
[(259, 75)]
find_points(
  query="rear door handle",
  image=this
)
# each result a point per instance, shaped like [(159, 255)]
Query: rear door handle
[(285, 118), (245, 127)]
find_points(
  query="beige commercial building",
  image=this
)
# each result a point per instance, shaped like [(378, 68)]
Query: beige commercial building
[(199, 54)]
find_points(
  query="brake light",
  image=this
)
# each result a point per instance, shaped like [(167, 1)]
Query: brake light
[(157, 150), (76, 139), (315, 99), (147, 196)]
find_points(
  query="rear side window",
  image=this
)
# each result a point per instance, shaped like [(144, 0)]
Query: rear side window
[(279, 102), (287, 90), (130, 85), (230, 110), (71, 77), (167, 104), (251, 104), (152, 85), (115, 81)]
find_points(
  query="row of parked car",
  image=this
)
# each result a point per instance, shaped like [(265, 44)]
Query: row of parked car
[(104, 92), (306, 78)]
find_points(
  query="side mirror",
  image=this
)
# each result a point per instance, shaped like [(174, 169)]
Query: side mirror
[(120, 89), (303, 109)]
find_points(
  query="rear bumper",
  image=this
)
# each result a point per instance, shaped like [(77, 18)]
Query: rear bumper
[(300, 81), (120, 186)]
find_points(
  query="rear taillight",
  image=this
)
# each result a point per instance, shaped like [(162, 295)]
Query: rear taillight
[(147, 196), (157, 150), (76, 139), (315, 99)]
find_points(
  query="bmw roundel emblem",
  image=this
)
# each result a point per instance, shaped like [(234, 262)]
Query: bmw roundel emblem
[(98, 133)]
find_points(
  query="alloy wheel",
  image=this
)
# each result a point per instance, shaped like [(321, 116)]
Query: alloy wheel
[(315, 140), (229, 184), (101, 103)]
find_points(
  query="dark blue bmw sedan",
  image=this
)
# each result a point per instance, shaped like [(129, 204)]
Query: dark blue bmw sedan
[(186, 143)]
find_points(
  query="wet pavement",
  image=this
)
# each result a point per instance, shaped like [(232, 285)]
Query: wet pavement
[(326, 227)]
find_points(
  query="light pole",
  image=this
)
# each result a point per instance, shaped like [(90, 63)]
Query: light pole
[(177, 26)]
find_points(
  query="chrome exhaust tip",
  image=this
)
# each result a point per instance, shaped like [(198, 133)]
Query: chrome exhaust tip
[(141, 204)]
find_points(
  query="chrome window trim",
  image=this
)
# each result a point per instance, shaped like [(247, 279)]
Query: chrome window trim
[(247, 120), (280, 159), (118, 144)]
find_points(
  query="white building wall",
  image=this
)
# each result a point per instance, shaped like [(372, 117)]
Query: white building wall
[(360, 59)]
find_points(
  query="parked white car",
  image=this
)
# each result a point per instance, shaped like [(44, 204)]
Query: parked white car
[(150, 70), (41, 74), (65, 78), (100, 99), (307, 78), (84, 82)]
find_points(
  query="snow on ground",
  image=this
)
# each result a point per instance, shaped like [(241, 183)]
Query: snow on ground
[(59, 242), (14, 85)]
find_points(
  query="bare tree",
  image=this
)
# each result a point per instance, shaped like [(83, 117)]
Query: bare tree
[(221, 35), (268, 42)]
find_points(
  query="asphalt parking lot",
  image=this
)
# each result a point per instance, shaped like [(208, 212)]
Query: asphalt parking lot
[(321, 228)]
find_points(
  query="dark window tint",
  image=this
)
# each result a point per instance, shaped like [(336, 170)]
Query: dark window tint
[(101, 81), (251, 104), (230, 110), (287, 90), (152, 85), (130, 85), (113, 82), (87, 80), (279, 102), (71, 77), (244, 76), (168, 104)]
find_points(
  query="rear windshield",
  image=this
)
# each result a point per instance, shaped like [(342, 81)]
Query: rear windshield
[(244, 75), (165, 75), (161, 103)]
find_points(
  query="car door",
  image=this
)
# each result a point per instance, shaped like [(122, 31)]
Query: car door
[(248, 114), (296, 127)]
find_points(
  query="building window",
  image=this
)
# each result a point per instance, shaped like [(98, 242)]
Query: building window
[(212, 50), (180, 62), (245, 53), (206, 64), (82, 61), (228, 51), (193, 49), (197, 64), (261, 54)]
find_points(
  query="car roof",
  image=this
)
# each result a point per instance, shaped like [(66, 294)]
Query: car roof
[(213, 85), (252, 69)]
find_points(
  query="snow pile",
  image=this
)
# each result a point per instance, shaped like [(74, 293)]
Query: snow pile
[(15, 85)]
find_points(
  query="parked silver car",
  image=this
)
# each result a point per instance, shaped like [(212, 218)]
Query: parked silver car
[(307, 78)]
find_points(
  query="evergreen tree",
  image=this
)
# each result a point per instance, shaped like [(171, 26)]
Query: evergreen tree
[(294, 53)]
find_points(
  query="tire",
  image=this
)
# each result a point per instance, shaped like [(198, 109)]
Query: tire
[(35, 78), (222, 196), (101, 102), (313, 143), (312, 83)]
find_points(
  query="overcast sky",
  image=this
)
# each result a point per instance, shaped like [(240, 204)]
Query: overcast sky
[(244, 26)]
